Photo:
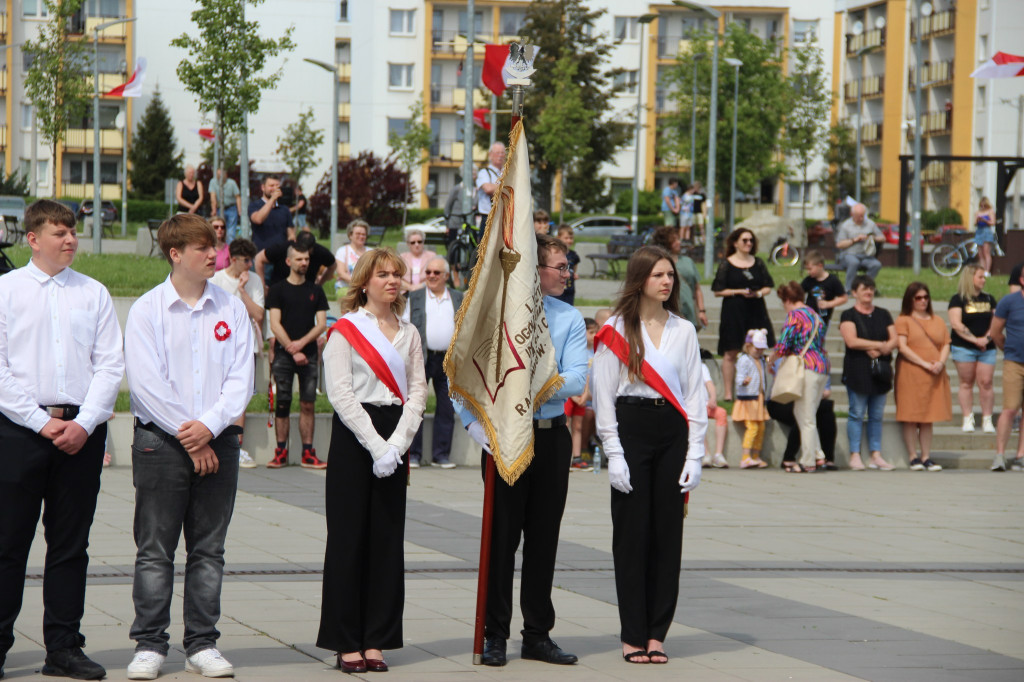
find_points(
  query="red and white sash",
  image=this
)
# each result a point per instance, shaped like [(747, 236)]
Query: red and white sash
[(656, 370), (375, 349)]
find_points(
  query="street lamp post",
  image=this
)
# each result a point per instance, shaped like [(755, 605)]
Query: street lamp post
[(693, 120), (333, 69), (709, 229), (635, 215), (735, 111), (97, 212), (923, 9), (468, 181)]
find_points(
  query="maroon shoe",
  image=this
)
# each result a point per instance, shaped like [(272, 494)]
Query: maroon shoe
[(280, 459), (376, 665), (351, 666), (311, 461)]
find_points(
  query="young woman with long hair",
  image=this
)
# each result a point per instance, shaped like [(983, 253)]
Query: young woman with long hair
[(649, 400)]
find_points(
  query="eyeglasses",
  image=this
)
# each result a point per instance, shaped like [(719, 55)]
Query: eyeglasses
[(219, 227), (417, 241), (923, 297), (745, 241), (562, 269), (433, 272)]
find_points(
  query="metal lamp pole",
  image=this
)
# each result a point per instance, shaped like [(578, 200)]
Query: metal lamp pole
[(709, 230), (97, 213), (693, 120), (333, 69), (923, 9), (468, 181), (635, 214), (735, 111)]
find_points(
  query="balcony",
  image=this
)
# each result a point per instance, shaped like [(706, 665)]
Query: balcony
[(479, 99), (873, 38), (80, 141), (871, 133), (671, 45), (344, 110), (936, 73), (3, 136), (936, 173), (3, 80), (344, 150), (940, 23), (873, 86), (3, 27), (442, 96), (664, 103), (108, 192), (937, 122), (117, 33), (871, 178), (452, 43), (108, 81), (344, 72), (453, 151)]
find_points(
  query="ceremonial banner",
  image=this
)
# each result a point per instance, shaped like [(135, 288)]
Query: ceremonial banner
[(500, 363)]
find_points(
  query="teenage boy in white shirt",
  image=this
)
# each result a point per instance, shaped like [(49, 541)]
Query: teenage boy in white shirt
[(188, 353), (60, 368)]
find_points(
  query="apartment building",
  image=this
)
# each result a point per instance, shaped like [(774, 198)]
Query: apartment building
[(22, 146), (876, 70)]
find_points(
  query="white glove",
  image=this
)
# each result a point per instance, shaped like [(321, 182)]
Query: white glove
[(476, 432), (618, 474), (691, 475), (388, 463)]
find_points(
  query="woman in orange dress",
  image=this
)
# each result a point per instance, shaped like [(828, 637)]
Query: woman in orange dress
[(923, 394)]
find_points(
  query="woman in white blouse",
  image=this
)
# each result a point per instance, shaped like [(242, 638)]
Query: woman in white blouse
[(373, 365), (650, 404), (416, 259), (348, 255)]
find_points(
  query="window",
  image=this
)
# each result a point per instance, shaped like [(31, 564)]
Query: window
[(982, 48), (43, 172), (478, 23), (343, 132), (102, 8), (343, 53), (794, 192), (627, 79), (397, 127), (626, 28), (80, 172), (805, 31), (512, 21), (33, 8), (26, 116), (982, 94), (400, 76), (343, 11), (111, 60), (691, 25), (402, 22)]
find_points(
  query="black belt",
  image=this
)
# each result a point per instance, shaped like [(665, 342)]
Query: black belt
[(232, 429), (637, 400), (61, 411), (436, 352), (549, 423)]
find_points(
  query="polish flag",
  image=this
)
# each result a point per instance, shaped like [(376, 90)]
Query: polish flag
[(1002, 65), (205, 133), (133, 88), (495, 61), (480, 117)]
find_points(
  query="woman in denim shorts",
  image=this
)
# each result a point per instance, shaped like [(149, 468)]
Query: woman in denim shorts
[(970, 314), (985, 233)]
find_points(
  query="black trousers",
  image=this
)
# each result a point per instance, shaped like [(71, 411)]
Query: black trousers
[(32, 471), (826, 421), (444, 413), (647, 523), (364, 566), (531, 510)]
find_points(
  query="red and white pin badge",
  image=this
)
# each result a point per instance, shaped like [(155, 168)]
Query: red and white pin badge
[(222, 331)]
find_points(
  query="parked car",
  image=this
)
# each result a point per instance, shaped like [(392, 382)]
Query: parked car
[(108, 214), (432, 226), (958, 232), (892, 234), (601, 226)]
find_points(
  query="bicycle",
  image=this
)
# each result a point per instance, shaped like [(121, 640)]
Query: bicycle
[(783, 253), (462, 252), (949, 259)]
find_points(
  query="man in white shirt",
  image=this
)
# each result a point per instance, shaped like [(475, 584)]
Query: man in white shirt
[(432, 311), (188, 352), (487, 179), (60, 368), (236, 280)]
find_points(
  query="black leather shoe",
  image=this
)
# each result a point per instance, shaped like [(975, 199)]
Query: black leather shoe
[(547, 651), (72, 663), (494, 652)]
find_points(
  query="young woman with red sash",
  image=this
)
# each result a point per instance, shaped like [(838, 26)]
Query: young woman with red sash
[(649, 400), (373, 366)]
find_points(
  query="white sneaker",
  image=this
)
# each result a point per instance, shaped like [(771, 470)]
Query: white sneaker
[(986, 424), (145, 665), (968, 426), (998, 464), (719, 462), (209, 663), (245, 461), (706, 462)]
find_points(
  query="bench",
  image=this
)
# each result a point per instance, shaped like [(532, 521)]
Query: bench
[(153, 225), (435, 239), (12, 230), (620, 248), (376, 235)]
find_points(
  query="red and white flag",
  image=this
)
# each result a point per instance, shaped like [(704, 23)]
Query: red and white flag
[(495, 62), (480, 117), (205, 133), (1002, 65), (133, 88)]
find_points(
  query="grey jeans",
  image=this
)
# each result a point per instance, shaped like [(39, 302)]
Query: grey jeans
[(853, 261), (171, 497)]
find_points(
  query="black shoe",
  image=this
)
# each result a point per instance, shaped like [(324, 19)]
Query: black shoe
[(72, 663), (547, 651), (494, 652)]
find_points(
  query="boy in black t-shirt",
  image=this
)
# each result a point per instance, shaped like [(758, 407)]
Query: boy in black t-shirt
[(824, 290), (298, 315)]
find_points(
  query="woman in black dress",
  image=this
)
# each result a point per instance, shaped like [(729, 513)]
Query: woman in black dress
[(742, 281)]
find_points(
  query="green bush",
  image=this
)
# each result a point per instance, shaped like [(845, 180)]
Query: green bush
[(422, 215), (141, 210), (932, 220), (649, 202)]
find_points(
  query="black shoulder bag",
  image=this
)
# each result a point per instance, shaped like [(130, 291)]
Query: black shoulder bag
[(881, 367)]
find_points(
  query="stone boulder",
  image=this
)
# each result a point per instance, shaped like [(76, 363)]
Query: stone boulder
[(768, 227)]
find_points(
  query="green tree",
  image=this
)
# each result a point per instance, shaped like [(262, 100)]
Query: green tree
[(297, 147), (763, 104), (564, 125), (840, 175), (56, 80), (154, 152), (560, 27), (805, 128), (230, 150), (411, 147), (225, 61)]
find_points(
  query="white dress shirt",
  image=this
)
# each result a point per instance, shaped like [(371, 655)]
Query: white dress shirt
[(60, 344), (253, 287), (177, 368), (351, 381), (440, 320), (611, 379)]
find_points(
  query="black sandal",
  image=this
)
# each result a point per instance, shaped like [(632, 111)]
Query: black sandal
[(633, 655), (659, 654)]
